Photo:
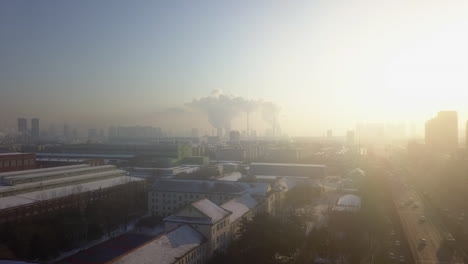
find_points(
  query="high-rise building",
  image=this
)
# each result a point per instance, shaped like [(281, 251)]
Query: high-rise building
[(194, 133), (234, 137), (350, 138), (466, 136), (35, 128), (92, 134), (22, 125), (442, 132), (66, 132)]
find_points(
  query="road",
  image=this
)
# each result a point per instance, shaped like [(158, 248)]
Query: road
[(435, 249)]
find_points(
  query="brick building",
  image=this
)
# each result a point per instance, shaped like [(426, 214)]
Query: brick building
[(16, 161)]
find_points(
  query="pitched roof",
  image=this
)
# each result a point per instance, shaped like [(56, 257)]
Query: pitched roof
[(166, 249), (213, 213), (239, 206), (210, 209)]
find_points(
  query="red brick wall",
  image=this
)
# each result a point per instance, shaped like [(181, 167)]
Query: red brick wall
[(17, 162)]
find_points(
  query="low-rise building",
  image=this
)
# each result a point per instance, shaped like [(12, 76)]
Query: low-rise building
[(16, 161), (41, 192), (166, 196), (182, 245), (211, 220), (242, 208), (315, 171)]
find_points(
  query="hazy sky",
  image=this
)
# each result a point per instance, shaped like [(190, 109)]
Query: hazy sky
[(327, 64)]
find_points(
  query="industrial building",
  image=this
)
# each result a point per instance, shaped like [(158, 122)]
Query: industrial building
[(40, 192), (146, 155), (288, 169)]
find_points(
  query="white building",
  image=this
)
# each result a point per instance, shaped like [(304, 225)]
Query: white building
[(182, 245), (169, 195), (243, 207), (211, 220)]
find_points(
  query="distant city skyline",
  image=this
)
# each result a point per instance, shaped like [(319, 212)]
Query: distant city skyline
[(325, 64)]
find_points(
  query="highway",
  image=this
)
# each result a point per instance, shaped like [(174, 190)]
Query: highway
[(417, 224)]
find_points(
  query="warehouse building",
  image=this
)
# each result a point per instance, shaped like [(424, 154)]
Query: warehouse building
[(40, 192), (288, 169)]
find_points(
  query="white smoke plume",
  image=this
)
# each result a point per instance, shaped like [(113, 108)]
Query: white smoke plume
[(221, 108)]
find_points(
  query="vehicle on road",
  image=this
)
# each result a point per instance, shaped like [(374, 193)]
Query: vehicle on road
[(422, 218)]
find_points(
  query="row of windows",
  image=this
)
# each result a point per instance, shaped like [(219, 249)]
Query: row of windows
[(221, 225), (190, 195), (191, 256), (15, 163)]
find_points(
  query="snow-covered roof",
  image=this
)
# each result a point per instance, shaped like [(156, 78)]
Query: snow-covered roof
[(86, 155), (25, 172), (348, 202), (211, 186), (210, 209), (25, 187), (12, 153), (357, 172), (188, 219), (39, 175), (47, 194), (234, 176), (239, 206), (166, 249)]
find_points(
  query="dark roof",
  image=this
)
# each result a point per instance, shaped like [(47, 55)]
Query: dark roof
[(211, 186), (107, 251)]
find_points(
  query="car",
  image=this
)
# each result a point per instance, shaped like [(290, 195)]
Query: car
[(402, 259), (422, 218), (422, 241), (397, 243), (402, 205)]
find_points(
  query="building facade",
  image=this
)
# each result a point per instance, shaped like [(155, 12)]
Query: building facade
[(441, 132), (16, 161), (167, 196)]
